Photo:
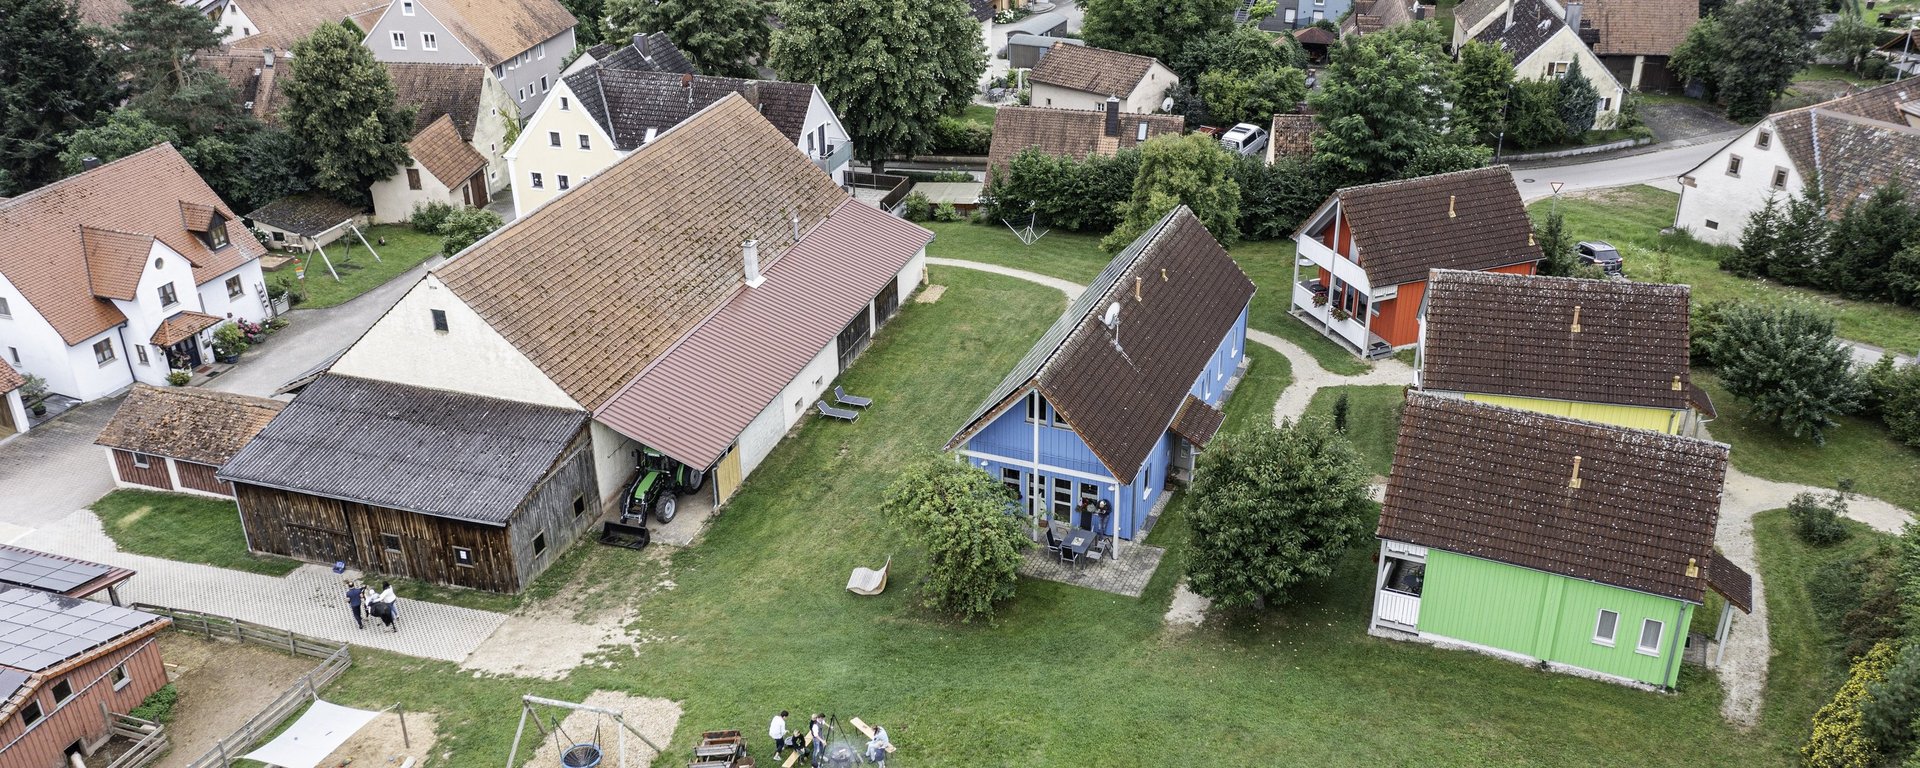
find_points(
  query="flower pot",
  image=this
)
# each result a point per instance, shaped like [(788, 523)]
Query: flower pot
[(39, 409), (227, 359)]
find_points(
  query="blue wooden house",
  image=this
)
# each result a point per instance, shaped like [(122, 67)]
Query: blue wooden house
[(1124, 388)]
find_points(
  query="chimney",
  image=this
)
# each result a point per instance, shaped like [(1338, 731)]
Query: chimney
[(751, 92), (1302, 108), (1113, 116), (267, 53), (686, 84), (89, 163), (1573, 16), (644, 46), (1450, 210), (750, 261), (1576, 318), (1575, 482)]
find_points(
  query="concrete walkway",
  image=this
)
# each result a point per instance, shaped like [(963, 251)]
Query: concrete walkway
[(1068, 287)]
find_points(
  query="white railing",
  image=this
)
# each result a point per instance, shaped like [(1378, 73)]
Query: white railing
[(1352, 329), (1398, 608), (1342, 268)]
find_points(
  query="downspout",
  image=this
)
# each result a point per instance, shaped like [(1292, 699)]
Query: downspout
[(1679, 633), (126, 353)]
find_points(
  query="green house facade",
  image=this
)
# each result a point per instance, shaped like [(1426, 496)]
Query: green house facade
[(1584, 547)]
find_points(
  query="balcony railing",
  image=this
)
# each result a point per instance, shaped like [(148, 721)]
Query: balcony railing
[(1351, 330), (836, 157)]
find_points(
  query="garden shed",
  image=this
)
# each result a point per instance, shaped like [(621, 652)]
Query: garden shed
[(177, 438)]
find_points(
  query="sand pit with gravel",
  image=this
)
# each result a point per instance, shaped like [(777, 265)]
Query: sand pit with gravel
[(382, 744), (222, 684), (547, 638), (652, 718)]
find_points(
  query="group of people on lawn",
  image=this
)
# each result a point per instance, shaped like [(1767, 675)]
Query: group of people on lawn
[(814, 739)]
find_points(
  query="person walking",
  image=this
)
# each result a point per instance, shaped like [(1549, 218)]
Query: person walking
[(356, 595), (388, 603), (777, 730)]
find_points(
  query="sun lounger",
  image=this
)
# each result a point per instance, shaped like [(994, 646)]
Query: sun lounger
[(856, 401), (867, 581), (838, 413)]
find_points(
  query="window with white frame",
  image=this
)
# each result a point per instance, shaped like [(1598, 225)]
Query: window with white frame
[(565, 106), (5, 311), (585, 143), (1651, 632), (1291, 15), (1606, 627), (1319, 15), (406, 8), (542, 48), (538, 183), (543, 83), (118, 675), (562, 178), (168, 297), (1558, 69), (141, 351), (399, 41), (553, 138), (103, 351), (1763, 140), (235, 287), (142, 460), (521, 94), (1779, 178), (429, 41), (1733, 166), (14, 352)]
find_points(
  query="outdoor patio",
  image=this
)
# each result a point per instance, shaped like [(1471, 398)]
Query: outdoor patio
[(1126, 576)]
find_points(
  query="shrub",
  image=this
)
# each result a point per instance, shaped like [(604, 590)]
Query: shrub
[(229, 339), (1275, 198), (158, 706), (1817, 521), (1893, 396), (429, 217), (179, 378), (1342, 407), (465, 227), (1891, 704), (1860, 595), (1078, 195), (959, 136), (1839, 738), (946, 212), (959, 513), (1706, 318), (917, 207), (1788, 367)]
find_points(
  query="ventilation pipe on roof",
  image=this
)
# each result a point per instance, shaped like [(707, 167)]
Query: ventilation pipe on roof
[(686, 84), (1693, 568), (1575, 481), (643, 46), (1136, 288), (1450, 209), (1676, 384), (793, 218), (89, 163), (750, 262), (1163, 274), (267, 53), (1576, 318)]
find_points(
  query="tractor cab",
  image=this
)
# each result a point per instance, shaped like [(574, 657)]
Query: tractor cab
[(660, 480)]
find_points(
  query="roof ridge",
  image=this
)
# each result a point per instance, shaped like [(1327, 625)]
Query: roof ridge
[(1470, 275), (1536, 417), (1469, 171), (11, 202)]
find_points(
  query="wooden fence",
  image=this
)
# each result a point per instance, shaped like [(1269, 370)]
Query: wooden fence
[(150, 740), (335, 659)]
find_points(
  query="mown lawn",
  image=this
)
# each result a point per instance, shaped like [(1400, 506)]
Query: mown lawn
[(1268, 374), (1077, 257), (1808, 662), (1859, 449), (1373, 419), (758, 621), (359, 271), (190, 529), (1631, 218)]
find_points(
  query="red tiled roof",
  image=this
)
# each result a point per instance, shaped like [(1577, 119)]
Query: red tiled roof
[(1072, 133), (1094, 70), (763, 337), (1640, 27), (439, 149), (114, 261), (43, 253), (1197, 422), (198, 425), (178, 328), (10, 379)]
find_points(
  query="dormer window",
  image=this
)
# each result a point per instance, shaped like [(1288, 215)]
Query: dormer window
[(217, 234)]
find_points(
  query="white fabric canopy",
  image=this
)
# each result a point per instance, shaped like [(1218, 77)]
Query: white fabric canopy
[(315, 735)]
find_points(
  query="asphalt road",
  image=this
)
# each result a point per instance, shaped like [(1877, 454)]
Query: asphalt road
[(1661, 168)]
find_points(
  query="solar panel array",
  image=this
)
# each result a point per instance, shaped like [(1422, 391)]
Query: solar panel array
[(40, 629), (32, 569)]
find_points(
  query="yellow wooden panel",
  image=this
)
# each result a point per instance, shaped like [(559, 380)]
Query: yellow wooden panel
[(1630, 416), (727, 475)]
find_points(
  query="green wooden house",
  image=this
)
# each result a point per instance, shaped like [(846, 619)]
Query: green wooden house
[(1542, 539)]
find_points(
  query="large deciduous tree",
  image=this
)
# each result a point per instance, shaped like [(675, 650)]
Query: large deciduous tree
[(1485, 79), (1383, 97), (960, 514), (721, 37), (154, 48), (892, 70), (1252, 97), (1272, 508), (1787, 366), (1157, 28), (51, 82), (125, 132), (340, 108), (1765, 45), (1850, 40), (1191, 170)]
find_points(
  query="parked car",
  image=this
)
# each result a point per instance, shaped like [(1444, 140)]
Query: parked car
[(1601, 254), (1244, 139)]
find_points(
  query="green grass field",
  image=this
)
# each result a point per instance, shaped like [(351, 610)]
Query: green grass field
[(190, 529), (1631, 219), (1373, 419), (359, 272), (1859, 449), (758, 621), (1808, 663), (1268, 374)]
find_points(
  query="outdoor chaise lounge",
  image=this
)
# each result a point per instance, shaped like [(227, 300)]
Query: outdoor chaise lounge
[(841, 396), (838, 413), (867, 581)]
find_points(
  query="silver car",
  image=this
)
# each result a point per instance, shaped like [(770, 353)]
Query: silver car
[(1244, 139)]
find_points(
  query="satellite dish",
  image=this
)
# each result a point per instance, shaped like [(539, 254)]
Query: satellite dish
[(1166, 104), (1112, 318)]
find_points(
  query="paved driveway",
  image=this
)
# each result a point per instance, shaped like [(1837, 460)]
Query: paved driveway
[(314, 336), (53, 470)]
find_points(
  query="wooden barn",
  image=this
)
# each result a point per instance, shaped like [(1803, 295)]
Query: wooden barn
[(440, 486), (66, 666), (176, 439)]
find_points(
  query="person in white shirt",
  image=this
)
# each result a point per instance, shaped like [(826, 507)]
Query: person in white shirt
[(777, 730), (386, 596), (878, 745)]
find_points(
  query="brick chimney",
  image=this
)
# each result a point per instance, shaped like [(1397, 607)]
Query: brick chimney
[(267, 53), (750, 262), (1113, 116)]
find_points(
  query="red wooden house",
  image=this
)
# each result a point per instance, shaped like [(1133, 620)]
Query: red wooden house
[(1363, 257)]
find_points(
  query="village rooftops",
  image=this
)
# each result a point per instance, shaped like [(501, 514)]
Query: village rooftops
[(1471, 220), (1640, 27), (430, 451), (631, 104), (307, 214), (450, 90), (1530, 26), (646, 53), (1070, 133), (1177, 293), (254, 77), (441, 151), (493, 30), (198, 425), (1629, 508), (1593, 341), (1092, 70), (1857, 143), (278, 24), (53, 239), (1292, 133)]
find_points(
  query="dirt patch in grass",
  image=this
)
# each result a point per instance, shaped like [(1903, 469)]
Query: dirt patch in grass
[(382, 743), (551, 635), (653, 718), (222, 684)]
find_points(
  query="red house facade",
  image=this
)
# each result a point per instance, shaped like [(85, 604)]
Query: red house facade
[(1363, 256)]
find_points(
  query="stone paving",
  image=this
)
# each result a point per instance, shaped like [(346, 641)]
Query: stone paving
[(1128, 575), (311, 600), (48, 473)]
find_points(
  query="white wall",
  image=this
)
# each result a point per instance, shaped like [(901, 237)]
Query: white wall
[(468, 357), (613, 463), (1145, 98), (247, 306), (17, 408), (820, 114), (393, 201), (42, 351), (490, 130), (1709, 195), (237, 25), (91, 380), (533, 152), (1565, 45)]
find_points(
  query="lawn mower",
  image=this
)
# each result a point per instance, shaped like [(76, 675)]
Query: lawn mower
[(660, 480)]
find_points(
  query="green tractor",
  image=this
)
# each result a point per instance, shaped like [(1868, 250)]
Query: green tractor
[(661, 480)]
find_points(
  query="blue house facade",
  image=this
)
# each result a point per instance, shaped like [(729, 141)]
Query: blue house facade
[(1124, 389)]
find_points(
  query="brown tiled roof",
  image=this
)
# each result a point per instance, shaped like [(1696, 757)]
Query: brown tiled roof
[(367, 18), (114, 261), (1496, 483), (1074, 133), (1362, 20), (629, 102), (1094, 70), (496, 30), (10, 379), (256, 87), (1732, 582), (1122, 399), (181, 325), (1315, 36), (1197, 422), (1856, 154), (441, 151), (1471, 12), (43, 254), (196, 217), (1392, 13), (1640, 27), (1403, 228), (278, 24), (306, 214), (762, 338), (652, 245), (1514, 335), (198, 425), (1292, 135), (452, 90)]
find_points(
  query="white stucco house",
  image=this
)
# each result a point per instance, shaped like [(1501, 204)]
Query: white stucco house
[(120, 273), (1852, 145), (606, 110), (441, 168), (1084, 77), (1544, 38)]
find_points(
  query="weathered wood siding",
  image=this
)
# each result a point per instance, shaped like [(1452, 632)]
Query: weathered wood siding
[(78, 719), (154, 475), (200, 478), (324, 530)]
